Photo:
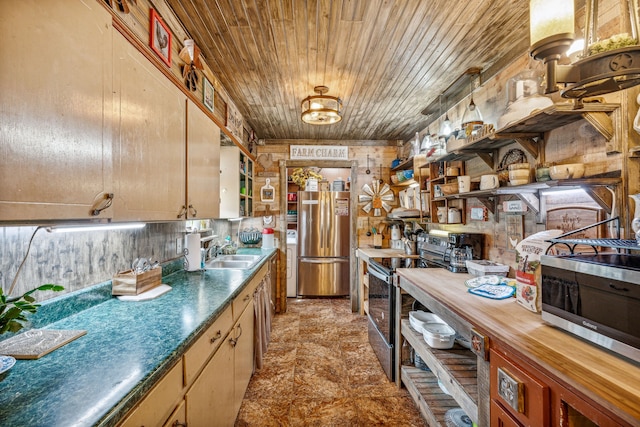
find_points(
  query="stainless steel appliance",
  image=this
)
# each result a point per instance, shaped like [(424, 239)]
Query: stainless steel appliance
[(596, 297), (450, 250), (382, 301), (323, 243)]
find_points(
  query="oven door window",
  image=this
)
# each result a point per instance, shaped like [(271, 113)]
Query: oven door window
[(381, 302)]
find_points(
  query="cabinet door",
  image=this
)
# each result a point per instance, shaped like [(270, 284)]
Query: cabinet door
[(244, 356), (229, 182), (210, 401), (203, 168), (178, 418), (56, 106), (149, 138)]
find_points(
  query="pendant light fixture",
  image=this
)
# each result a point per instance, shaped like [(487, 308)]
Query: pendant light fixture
[(471, 116), (321, 109), (446, 127)]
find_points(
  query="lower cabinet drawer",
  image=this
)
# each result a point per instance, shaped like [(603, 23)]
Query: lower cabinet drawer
[(242, 300), (197, 355), (523, 396)]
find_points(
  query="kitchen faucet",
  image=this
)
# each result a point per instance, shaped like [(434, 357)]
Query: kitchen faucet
[(218, 250)]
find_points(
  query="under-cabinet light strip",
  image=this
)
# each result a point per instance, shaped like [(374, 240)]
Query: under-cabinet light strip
[(93, 227)]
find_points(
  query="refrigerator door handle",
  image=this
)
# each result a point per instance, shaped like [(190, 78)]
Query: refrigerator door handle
[(323, 260)]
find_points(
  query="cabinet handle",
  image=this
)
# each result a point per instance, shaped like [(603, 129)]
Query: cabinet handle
[(108, 200), (234, 341), (216, 337), (183, 211), (193, 211), (177, 423), (246, 298)]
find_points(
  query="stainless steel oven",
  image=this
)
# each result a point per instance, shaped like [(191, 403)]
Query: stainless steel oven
[(596, 297), (382, 301)]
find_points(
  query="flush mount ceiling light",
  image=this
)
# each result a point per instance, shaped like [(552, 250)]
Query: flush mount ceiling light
[(321, 109)]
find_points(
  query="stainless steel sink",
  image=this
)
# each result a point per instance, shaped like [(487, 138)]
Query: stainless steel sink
[(237, 262), (236, 257)]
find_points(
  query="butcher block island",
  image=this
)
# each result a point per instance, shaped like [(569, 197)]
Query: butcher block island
[(528, 372)]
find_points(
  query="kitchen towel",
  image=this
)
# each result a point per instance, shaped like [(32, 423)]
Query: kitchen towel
[(192, 243)]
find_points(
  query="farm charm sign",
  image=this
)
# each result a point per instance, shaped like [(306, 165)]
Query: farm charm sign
[(318, 152)]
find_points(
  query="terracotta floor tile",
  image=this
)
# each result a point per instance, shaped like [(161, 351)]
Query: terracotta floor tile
[(323, 412), (320, 370)]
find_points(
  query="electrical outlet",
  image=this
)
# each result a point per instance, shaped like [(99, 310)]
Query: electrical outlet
[(179, 244)]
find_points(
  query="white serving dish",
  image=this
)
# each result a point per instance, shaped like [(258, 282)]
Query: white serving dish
[(417, 319), (438, 335)]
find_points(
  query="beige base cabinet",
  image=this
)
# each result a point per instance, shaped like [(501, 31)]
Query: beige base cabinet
[(56, 103), (210, 401), (149, 138), (207, 386), (160, 403), (243, 356)]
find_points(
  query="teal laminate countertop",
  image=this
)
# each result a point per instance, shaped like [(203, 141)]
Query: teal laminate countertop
[(99, 377)]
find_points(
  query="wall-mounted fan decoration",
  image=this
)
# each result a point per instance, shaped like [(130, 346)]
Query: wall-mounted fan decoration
[(376, 197), (190, 54)]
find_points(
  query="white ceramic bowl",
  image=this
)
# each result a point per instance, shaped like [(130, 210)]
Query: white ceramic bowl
[(568, 171)]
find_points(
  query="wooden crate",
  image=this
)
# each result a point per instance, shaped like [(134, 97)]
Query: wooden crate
[(128, 283)]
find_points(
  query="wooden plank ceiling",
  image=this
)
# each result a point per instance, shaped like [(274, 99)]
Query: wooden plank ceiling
[(386, 59)]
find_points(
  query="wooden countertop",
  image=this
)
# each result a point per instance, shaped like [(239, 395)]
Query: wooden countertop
[(612, 381)]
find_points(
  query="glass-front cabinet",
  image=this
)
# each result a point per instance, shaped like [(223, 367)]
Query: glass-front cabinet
[(236, 182)]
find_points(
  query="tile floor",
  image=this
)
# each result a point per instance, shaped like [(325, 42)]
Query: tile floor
[(320, 371)]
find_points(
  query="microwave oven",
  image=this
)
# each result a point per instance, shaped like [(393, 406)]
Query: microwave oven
[(595, 296)]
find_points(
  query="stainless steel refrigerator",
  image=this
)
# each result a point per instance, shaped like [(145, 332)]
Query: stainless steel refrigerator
[(323, 243)]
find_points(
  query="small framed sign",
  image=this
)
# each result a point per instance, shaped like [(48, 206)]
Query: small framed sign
[(207, 94)]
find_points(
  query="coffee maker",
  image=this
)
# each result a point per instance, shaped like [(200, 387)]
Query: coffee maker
[(463, 247)]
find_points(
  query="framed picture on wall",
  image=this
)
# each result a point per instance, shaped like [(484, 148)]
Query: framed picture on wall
[(208, 94), (160, 38)]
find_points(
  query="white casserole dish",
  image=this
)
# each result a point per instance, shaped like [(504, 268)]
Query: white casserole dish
[(438, 335), (417, 319)]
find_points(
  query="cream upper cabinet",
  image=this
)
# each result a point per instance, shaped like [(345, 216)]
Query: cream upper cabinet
[(149, 149), (55, 109), (203, 167)]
